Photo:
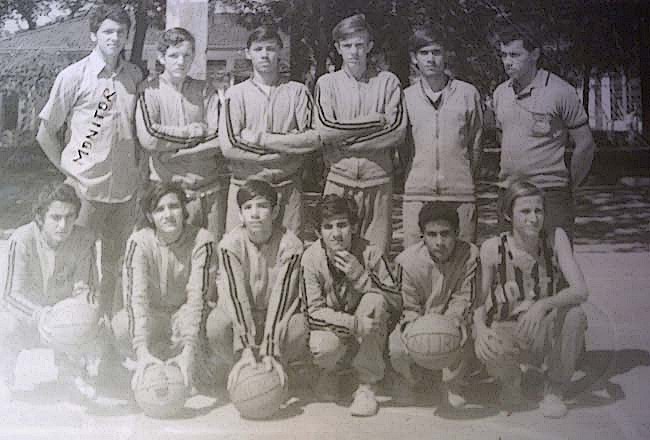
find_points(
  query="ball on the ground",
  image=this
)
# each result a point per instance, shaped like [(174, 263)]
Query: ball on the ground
[(258, 393), (69, 325), (433, 341), (161, 392)]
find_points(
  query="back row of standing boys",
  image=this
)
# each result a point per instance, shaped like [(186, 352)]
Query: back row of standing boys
[(263, 129)]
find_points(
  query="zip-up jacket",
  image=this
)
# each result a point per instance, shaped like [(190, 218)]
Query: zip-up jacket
[(358, 144), (163, 117), (447, 141), (283, 116), (332, 298), (260, 280), (165, 277), (447, 288)]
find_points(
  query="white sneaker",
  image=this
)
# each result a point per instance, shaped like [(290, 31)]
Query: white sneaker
[(365, 402), (553, 406), (84, 388), (454, 396)]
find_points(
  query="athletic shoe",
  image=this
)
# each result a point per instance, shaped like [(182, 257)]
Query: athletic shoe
[(85, 389), (365, 402), (454, 395), (74, 375), (327, 387), (553, 407)]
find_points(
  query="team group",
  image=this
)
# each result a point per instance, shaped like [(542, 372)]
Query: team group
[(215, 275)]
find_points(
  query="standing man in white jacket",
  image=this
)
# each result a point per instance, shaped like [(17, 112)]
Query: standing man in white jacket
[(445, 124)]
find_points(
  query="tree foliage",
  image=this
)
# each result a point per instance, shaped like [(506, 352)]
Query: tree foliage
[(580, 36), (27, 10)]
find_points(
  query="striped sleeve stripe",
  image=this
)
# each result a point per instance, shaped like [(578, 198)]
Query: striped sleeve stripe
[(383, 287), (284, 296), (211, 136), (303, 289), (315, 324), (157, 133), (340, 125), (310, 111), (473, 292), (128, 263), (10, 268), (387, 267), (11, 299), (205, 287), (400, 276), (251, 148), (396, 123), (92, 294), (239, 310)]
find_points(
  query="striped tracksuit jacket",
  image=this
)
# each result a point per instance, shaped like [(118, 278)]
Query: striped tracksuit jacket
[(260, 281), (357, 145), (163, 117), (332, 299), (159, 278)]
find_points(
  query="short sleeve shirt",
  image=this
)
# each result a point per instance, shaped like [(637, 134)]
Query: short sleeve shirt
[(98, 107), (535, 126)]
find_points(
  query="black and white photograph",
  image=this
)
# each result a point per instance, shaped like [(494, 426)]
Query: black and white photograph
[(325, 219)]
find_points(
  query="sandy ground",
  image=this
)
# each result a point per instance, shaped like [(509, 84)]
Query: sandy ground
[(610, 395)]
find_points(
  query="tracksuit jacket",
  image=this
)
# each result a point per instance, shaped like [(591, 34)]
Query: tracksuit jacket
[(260, 281), (447, 288), (163, 278), (332, 299), (446, 135)]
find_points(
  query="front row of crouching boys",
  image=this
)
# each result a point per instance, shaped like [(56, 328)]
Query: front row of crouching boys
[(337, 305)]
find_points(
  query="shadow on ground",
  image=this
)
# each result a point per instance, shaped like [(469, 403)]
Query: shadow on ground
[(617, 216)]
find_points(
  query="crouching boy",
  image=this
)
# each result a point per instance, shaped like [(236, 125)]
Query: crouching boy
[(350, 295), (50, 259), (168, 282), (256, 319), (533, 288), (438, 276)]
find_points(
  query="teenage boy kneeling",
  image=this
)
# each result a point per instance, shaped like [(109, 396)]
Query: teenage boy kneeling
[(350, 295)]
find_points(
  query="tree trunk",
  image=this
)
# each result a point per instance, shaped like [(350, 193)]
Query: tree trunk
[(644, 64), (297, 60), (31, 22), (141, 25), (321, 43)]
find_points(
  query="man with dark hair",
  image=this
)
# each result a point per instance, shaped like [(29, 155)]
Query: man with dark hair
[(168, 281), (438, 275), (177, 119), (266, 130), (95, 98), (361, 120), (49, 259), (257, 318), (539, 116), (350, 295), (445, 122)]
